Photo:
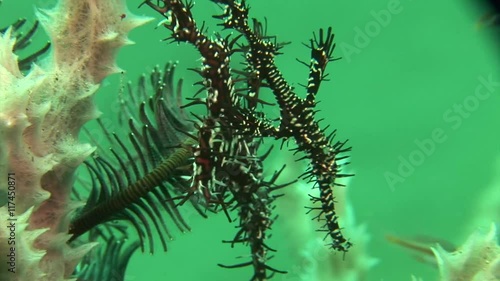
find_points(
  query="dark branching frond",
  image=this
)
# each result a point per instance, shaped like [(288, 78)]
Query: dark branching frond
[(228, 136), (109, 259), (24, 40), (138, 179)]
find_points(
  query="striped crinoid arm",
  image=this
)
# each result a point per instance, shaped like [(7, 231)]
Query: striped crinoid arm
[(139, 178), (298, 115)]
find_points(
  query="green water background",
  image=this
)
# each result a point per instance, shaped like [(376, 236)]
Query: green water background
[(393, 91)]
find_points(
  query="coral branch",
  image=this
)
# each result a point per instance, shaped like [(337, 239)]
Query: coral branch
[(41, 115)]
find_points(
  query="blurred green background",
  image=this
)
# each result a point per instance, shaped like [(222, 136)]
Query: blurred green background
[(401, 78)]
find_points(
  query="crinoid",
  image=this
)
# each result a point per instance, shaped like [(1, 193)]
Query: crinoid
[(25, 40), (136, 179)]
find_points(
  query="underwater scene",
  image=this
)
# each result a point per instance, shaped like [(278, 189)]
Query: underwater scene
[(285, 140)]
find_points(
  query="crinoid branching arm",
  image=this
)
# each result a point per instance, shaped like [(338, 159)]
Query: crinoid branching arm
[(140, 176), (23, 40)]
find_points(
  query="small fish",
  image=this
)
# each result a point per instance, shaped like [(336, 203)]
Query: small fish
[(421, 247), (423, 243)]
